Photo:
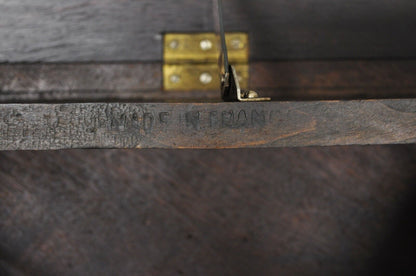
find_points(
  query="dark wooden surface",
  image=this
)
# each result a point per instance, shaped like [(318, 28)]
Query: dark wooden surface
[(207, 125), (294, 211), (87, 30), (346, 79), (284, 80), (299, 211)]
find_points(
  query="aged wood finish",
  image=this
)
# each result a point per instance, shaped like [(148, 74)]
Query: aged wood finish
[(347, 79), (285, 80), (215, 125), (290, 211), (107, 30), (23, 78)]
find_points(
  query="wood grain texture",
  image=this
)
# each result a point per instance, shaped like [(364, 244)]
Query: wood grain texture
[(81, 82), (351, 74), (348, 79), (292, 211), (288, 211), (106, 30), (293, 80), (23, 78), (209, 125)]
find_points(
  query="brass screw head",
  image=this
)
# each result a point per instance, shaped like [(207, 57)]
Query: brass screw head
[(174, 44), (205, 78), (175, 78), (206, 45)]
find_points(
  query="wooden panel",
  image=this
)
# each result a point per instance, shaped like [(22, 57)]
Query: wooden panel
[(298, 211), (23, 78), (106, 30), (294, 80), (194, 125), (351, 74), (313, 80)]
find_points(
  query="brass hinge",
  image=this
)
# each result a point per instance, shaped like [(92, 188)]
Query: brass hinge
[(191, 60)]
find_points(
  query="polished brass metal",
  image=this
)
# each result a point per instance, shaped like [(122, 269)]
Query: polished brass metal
[(187, 48), (191, 60), (180, 77)]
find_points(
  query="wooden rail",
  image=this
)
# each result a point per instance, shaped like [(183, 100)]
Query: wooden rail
[(283, 80), (206, 125)]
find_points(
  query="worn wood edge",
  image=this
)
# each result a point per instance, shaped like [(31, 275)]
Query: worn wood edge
[(206, 125)]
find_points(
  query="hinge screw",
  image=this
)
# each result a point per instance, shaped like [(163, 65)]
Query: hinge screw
[(205, 78), (174, 44), (175, 78), (206, 44)]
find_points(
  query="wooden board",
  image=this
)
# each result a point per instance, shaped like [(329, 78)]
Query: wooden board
[(106, 30), (198, 125), (285, 80), (291, 211)]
